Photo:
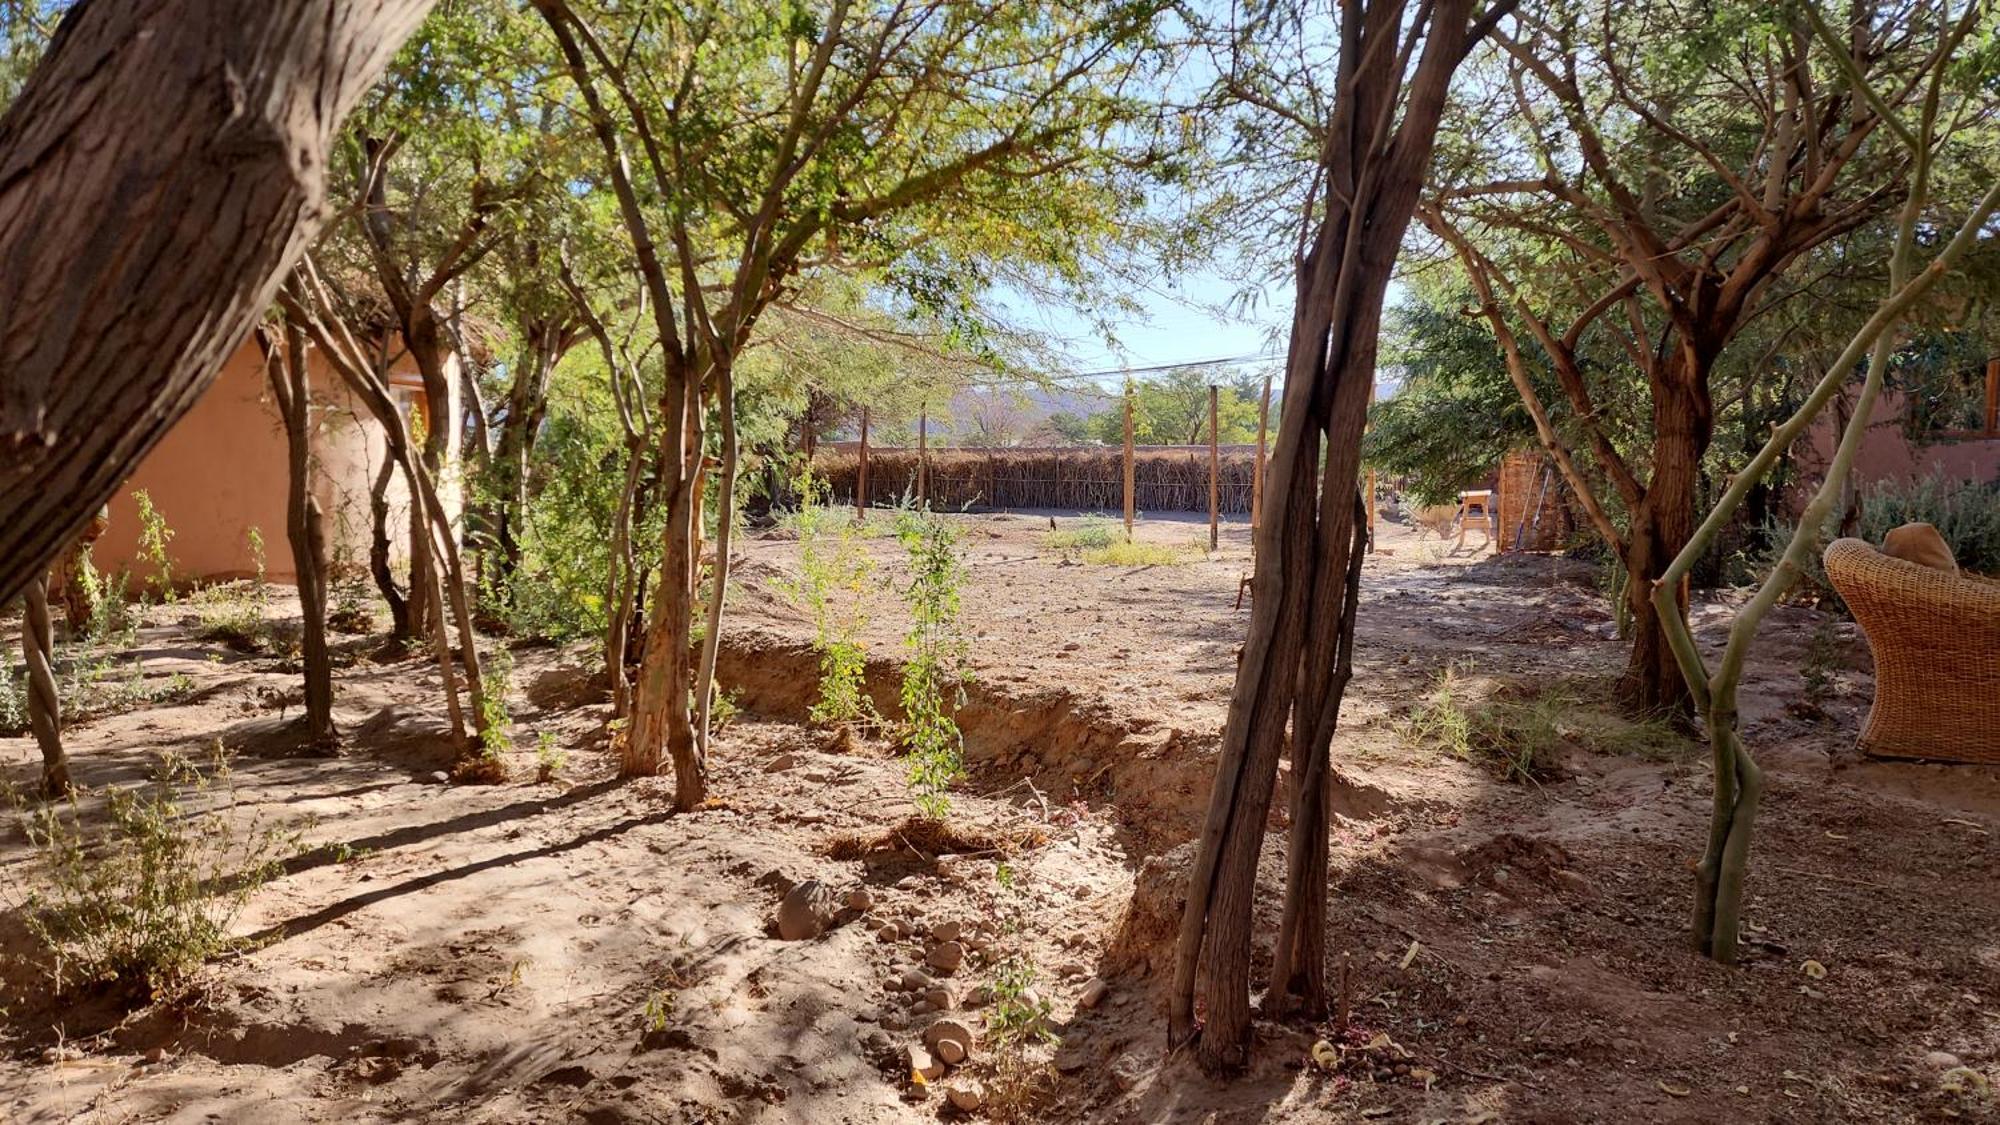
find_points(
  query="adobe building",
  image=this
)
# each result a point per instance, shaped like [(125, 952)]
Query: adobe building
[(222, 471)]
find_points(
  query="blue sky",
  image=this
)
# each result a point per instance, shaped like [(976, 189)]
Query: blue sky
[(1179, 322)]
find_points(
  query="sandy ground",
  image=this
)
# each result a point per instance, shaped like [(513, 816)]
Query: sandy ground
[(571, 950)]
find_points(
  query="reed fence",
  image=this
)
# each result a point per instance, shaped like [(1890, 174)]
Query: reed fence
[(1081, 478)]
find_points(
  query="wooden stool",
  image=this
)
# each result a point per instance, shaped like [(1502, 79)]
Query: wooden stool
[(1475, 509)]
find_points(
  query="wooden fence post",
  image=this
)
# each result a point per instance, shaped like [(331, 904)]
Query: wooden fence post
[(1257, 472), (923, 457), (1128, 460), (1214, 470), (1993, 396), (861, 486)]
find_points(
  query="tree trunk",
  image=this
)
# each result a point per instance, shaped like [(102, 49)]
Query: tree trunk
[(711, 638), (161, 170), (625, 580), (1683, 424), (305, 529), (423, 611), (1298, 976), (38, 647), (378, 550), (1373, 165), (660, 715)]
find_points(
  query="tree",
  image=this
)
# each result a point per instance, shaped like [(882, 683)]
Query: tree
[(747, 146), (1454, 414), (38, 647), (311, 306), (225, 111), (1370, 146), (1720, 874), (286, 368), (1172, 409), (1645, 178)]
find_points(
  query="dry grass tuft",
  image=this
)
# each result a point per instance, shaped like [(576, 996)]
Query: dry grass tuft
[(930, 838)]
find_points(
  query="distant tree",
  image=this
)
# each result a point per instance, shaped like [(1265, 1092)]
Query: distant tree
[(1172, 409), (1065, 427), (993, 416), (1455, 413)]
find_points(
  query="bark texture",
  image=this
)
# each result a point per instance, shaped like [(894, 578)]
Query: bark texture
[(305, 529), (159, 173), (1372, 163), (38, 648)]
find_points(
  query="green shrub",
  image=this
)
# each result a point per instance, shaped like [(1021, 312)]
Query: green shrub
[(1126, 553), (835, 572), (937, 669), (237, 614), (1089, 533), (147, 896), (487, 763), (1519, 729), (1966, 513), (154, 535)]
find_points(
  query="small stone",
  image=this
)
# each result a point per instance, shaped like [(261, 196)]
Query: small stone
[(908, 883), (979, 997), (921, 1063), (946, 956), (916, 980), (1128, 1071), (893, 1022), (805, 911), (922, 1008), (946, 931), (1071, 971), (860, 899), (441, 777), (1941, 1060), (1093, 993), (781, 763), (966, 1097), (949, 1040), (156, 1054), (940, 998)]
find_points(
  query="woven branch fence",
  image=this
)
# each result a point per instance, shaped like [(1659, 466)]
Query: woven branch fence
[(1082, 478)]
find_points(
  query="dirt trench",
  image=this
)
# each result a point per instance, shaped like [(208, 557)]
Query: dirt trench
[(1069, 746)]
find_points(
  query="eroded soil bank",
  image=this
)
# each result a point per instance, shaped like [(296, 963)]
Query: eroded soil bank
[(571, 950)]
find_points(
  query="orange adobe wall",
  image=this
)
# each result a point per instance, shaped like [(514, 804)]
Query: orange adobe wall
[(222, 471)]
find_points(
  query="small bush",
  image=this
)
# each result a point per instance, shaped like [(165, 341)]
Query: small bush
[(1143, 554), (1966, 513), (487, 763), (146, 897), (154, 535), (238, 614), (935, 674), (108, 610), (90, 683), (549, 757), (1092, 533), (835, 573), (1520, 730), (1018, 1016)]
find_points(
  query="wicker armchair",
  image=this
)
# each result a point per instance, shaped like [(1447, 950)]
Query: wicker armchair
[(1936, 640)]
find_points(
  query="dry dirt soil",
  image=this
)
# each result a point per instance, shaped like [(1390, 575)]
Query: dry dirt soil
[(572, 950)]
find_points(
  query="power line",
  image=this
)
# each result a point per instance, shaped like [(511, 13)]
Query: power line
[(1117, 372)]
